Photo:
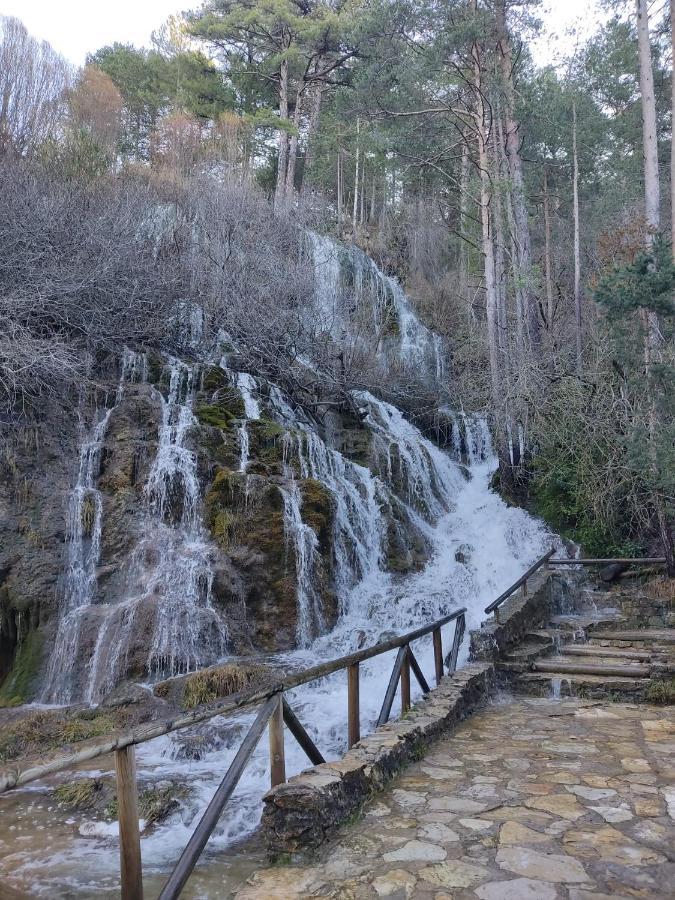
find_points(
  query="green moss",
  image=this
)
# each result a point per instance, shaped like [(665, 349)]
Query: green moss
[(18, 686), (214, 379), (82, 727), (214, 414), (661, 692), (155, 368), (318, 509)]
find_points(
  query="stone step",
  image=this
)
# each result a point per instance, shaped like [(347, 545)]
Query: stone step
[(590, 686), (658, 635), (561, 665), (593, 651)]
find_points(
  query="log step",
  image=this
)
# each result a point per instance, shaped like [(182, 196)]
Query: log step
[(560, 665), (614, 652), (663, 635)]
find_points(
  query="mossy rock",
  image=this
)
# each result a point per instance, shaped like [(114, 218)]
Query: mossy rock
[(216, 415), (46, 729), (318, 510), (84, 793), (155, 367), (221, 681), (19, 685), (213, 379), (661, 692)]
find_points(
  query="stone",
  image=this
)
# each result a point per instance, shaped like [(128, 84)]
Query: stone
[(515, 833), (635, 765), (457, 805), (563, 805), (577, 894), (562, 778), (516, 889), (647, 807), (614, 813), (279, 884), (669, 795), (416, 851), (589, 793), (611, 845), (437, 834), (408, 799), (475, 824), (394, 881), (649, 831), (454, 874), (543, 866)]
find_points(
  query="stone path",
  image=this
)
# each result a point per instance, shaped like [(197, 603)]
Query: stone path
[(529, 799)]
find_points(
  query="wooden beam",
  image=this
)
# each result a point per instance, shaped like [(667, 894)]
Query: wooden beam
[(297, 729), (353, 706), (276, 737), (438, 654), (456, 644), (405, 681), (391, 688), (127, 813), (209, 820), (417, 672)]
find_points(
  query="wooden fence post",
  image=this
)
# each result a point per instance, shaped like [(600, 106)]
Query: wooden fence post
[(127, 814), (438, 654), (353, 714), (405, 683), (276, 735)]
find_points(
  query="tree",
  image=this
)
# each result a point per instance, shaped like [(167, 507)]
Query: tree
[(95, 107), (33, 81)]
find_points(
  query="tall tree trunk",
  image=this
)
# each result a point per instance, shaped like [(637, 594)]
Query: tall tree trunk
[(464, 246), (312, 129), (339, 190), (577, 245), (293, 147), (548, 265), (672, 138), (355, 210), (283, 134), (518, 292), (500, 269), (653, 220), (522, 237)]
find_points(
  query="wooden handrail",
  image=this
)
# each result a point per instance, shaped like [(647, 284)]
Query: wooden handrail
[(521, 581), (635, 561), (39, 767)]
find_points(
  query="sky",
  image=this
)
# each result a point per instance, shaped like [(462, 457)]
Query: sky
[(78, 27)]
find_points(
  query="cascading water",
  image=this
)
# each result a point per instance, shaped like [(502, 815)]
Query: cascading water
[(247, 387), (477, 546), (171, 573), (84, 522)]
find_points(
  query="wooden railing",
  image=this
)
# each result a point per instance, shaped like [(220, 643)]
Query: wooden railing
[(273, 713), (522, 582), (547, 559)]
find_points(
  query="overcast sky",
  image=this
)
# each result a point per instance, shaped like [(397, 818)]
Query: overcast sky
[(78, 27)]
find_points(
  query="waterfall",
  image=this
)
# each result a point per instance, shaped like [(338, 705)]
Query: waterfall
[(173, 590), (353, 294), (84, 523), (247, 385)]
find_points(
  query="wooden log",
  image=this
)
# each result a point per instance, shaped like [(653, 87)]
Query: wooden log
[(456, 644), (523, 578), (438, 654), (276, 737), (391, 688), (405, 682), (127, 812), (353, 706), (417, 672), (297, 729), (209, 820)]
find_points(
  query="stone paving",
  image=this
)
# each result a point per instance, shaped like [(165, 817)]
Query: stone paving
[(529, 799)]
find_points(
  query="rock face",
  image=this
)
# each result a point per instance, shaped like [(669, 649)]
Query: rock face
[(254, 474)]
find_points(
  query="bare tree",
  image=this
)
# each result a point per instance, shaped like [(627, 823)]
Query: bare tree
[(33, 80)]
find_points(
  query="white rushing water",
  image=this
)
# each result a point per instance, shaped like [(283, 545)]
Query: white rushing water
[(477, 546), (84, 523)]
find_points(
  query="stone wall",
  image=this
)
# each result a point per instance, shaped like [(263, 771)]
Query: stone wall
[(299, 814)]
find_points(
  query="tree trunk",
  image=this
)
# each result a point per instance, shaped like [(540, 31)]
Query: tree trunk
[(312, 128), (519, 293), (355, 210), (293, 147), (577, 250), (500, 270), (652, 339), (548, 266), (522, 236), (339, 190), (464, 247), (672, 138), (283, 134)]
